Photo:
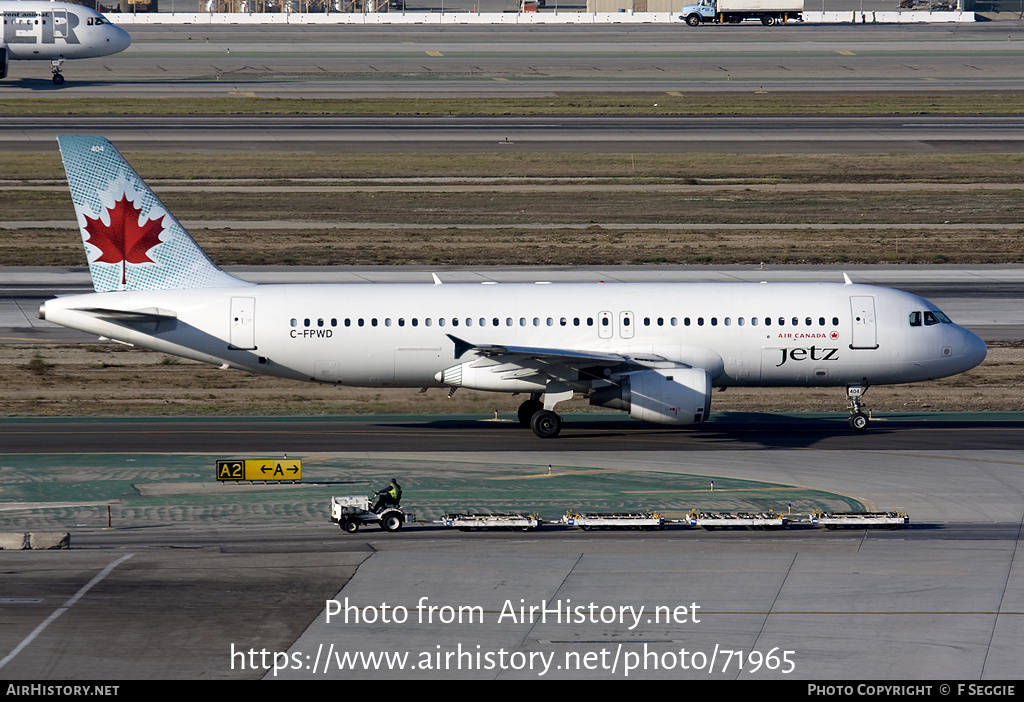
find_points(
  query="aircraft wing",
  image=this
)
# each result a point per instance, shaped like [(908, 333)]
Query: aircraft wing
[(565, 356)]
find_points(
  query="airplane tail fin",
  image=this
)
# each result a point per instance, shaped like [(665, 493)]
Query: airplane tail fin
[(131, 240)]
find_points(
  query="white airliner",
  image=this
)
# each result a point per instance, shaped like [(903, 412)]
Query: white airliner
[(55, 32), (654, 350)]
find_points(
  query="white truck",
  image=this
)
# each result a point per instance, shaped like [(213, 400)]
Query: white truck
[(770, 12)]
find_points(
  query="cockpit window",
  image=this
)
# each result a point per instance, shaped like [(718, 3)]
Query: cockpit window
[(930, 319), (941, 317), (915, 319)]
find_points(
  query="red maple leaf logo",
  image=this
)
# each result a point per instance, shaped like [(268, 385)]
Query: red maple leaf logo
[(124, 241)]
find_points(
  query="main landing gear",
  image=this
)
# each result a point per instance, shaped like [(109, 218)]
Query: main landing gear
[(544, 423), (55, 65), (858, 420)]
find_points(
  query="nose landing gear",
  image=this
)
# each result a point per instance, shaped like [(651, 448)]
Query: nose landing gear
[(55, 65), (858, 419)]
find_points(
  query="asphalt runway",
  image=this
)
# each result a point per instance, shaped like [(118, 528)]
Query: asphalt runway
[(377, 134), (493, 61)]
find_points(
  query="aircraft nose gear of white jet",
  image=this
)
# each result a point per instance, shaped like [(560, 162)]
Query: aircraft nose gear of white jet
[(858, 420), (55, 65)]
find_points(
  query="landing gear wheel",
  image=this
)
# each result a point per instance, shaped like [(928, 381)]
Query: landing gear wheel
[(546, 424), (58, 79), (859, 421), (350, 525), (391, 521), (528, 409)]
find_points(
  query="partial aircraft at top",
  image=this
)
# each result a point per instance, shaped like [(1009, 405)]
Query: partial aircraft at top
[(55, 32), (654, 350)]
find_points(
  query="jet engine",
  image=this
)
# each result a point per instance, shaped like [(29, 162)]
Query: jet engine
[(660, 395)]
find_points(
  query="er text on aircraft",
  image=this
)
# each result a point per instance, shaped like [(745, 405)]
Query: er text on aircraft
[(654, 350)]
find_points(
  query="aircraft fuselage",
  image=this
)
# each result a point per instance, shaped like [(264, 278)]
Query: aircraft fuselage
[(743, 334)]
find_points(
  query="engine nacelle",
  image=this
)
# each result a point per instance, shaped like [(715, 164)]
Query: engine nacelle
[(483, 375), (4, 61), (660, 395)]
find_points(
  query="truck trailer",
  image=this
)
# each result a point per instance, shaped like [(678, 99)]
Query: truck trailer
[(770, 12)]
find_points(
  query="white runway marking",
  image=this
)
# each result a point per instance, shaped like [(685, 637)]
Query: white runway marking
[(63, 608)]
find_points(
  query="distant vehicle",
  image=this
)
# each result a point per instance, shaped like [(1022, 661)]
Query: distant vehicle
[(770, 12), (55, 32)]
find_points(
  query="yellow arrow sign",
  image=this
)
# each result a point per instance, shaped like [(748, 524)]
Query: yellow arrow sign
[(260, 469)]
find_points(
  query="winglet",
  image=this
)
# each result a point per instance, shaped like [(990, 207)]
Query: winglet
[(461, 346), (132, 241)]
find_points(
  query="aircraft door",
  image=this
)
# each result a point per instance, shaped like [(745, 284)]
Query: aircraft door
[(605, 328), (626, 325), (243, 323), (862, 308), (60, 24)]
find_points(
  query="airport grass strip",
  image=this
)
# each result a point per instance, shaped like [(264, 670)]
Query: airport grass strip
[(673, 103)]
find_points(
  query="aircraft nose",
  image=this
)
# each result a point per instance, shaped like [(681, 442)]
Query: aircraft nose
[(974, 348), (121, 39)]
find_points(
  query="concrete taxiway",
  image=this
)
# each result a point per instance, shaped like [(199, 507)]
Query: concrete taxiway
[(937, 601)]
